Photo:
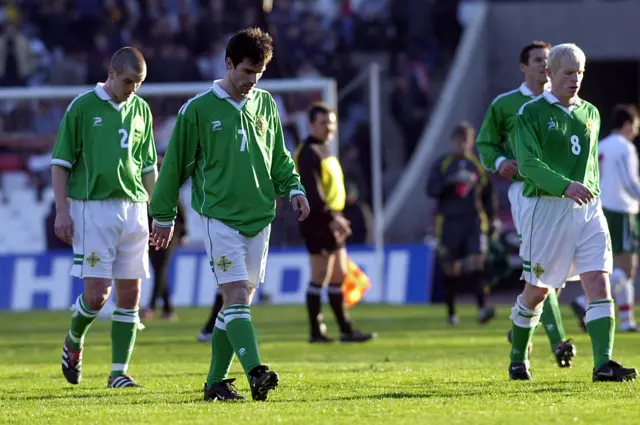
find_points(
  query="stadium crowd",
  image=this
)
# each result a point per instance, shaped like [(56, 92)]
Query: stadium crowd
[(69, 42)]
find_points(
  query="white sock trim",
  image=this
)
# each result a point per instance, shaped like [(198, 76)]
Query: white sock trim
[(524, 317), (599, 309), (119, 367), (229, 317)]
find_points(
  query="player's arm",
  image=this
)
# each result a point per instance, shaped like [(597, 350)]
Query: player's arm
[(529, 156), (149, 157), (286, 180), (178, 165), (492, 154), (488, 141), (437, 180), (627, 167), (66, 152), (309, 166)]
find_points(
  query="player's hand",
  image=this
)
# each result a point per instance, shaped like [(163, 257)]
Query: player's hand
[(579, 193), (341, 227), (301, 206), (63, 226), (508, 168), (160, 237)]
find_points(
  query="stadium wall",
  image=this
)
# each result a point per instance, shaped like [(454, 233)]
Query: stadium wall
[(42, 281), (408, 210), (605, 30)]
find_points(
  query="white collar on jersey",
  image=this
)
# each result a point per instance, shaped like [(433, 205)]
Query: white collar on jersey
[(102, 94), (555, 101), (222, 94), (525, 90)]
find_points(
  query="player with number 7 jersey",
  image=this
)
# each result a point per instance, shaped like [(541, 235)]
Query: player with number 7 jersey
[(235, 154)]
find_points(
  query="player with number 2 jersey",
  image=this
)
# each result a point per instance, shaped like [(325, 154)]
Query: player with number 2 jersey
[(104, 160)]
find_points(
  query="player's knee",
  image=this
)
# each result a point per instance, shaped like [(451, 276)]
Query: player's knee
[(596, 285), (320, 272), (236, 293), (533, 296), (128, 293), (96, 292)]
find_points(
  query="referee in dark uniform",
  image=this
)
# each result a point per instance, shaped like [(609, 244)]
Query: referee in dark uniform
[(466, 208), (326, 229)]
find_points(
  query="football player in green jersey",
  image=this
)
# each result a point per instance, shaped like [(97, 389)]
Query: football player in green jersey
[(104, 160), (564, 230), (495, 144), (229, 141)]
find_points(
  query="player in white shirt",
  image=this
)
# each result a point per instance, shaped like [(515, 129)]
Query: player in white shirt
[(620, 195)]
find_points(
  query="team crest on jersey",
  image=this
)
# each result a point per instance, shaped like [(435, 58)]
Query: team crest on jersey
[(261, 123), (592, 128), (138, 123)]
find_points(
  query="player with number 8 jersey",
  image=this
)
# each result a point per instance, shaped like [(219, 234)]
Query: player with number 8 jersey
[(557, 145), (564, 230)]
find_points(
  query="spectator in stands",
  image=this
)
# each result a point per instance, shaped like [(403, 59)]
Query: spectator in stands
[(17, 63)]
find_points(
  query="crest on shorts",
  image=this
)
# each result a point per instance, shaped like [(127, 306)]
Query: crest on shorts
[(224, 263), (538, 270), (261, 123), (93, 259)]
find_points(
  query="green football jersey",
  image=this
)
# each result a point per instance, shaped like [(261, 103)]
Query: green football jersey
[(556, 146), (106, 146), (234, 152), (495, 138)]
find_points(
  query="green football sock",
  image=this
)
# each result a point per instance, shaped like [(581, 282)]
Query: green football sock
[(81, 320), (124, 324), (524, 326), (221, 353), (242, 335), (552, 320), (601, 324)]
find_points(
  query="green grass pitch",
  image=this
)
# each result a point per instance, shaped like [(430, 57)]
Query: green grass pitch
[(418, 371)]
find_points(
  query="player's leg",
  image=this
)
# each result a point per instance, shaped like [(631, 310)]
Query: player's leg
[(525, 316), (548, 243), (336, 298), (623, 288), (601, 327), (322, 265), (93, 257), (476, 247), (168, 312), (207, 329), (238, 264), (131, 265), (88, 304), (625, 259), (226, 256), (124, 326), (593, 262), (156, 258), (449, 256), (238, 295)]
